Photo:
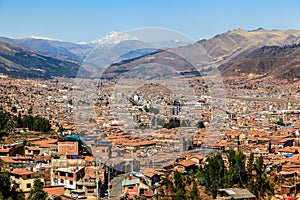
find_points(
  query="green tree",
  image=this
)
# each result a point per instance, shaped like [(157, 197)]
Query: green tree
[(178, 180), (10, 125), (173, 123), (16, 193), (14, 109), (261, 185), (37, 192), (214, 173), (168, 183), (250, 165), (179, 195), (237, 174), (5, 184), (200, 125), (194, 192), (19, 121), (30, 110)]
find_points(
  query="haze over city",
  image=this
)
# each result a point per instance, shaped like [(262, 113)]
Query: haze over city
[(152, 100)]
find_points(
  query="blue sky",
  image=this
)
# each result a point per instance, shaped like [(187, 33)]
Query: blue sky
[(85, 20)]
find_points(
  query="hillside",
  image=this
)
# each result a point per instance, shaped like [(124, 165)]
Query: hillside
[(52, 48), (20, 62), (281, 62), (237, 46)]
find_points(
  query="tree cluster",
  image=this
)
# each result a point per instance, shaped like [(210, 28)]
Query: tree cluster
[(9, 122), (9, 190), (173, 123), (239, 174), (180, 187), (216, 174)]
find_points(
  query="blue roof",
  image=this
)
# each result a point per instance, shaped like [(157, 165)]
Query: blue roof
[(103, 143), (289, 155), (73, 137)]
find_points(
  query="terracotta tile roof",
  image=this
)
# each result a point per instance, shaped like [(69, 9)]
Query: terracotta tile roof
[(49, 141), (8, 160), (20, 171), (54, 190), (47, 145), (33, 148), (4, 150), (186, 163), (138, 143), (41, 158)]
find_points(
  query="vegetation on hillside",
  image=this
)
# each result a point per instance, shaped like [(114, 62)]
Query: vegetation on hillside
[(9, 122), (8, 189), (217, 174)]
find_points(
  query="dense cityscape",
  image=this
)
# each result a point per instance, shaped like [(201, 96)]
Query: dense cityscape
[(164, 155), (149, 100)]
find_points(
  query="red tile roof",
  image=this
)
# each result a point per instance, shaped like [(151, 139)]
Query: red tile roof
[(54, 190), (20, 171), (33, 148), (8, 160), (186, 163), (4, 150)]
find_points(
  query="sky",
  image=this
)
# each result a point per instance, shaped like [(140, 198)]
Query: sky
[(86, 20)]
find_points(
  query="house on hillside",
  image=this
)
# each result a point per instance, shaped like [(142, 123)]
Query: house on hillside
[(235, 193), (24, 178), (135, 185), (185, 166), (67, 176)]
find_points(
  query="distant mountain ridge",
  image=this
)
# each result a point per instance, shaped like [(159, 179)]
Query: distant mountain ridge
[(235, 53), (229, 48), (51, 48), (92, 56), (20, 62), (282, 62)]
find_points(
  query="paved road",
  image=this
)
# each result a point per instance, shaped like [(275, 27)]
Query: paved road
[(116, 188)]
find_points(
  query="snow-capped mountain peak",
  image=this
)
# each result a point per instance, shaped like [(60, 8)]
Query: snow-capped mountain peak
[(114, 38), (43, 38)]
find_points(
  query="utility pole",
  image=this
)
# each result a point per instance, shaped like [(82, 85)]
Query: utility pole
[(97, 174), (132, 162), (97, 178), (108, 182), (295, 179), (153, 161)]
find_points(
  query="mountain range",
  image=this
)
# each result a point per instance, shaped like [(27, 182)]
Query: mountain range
[(18, 61), (256, 53), (248, 54)]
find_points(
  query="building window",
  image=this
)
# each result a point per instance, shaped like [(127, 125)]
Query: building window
[(61, 180), (28, 185), (71, 182), (103, 150), (70, 175)]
